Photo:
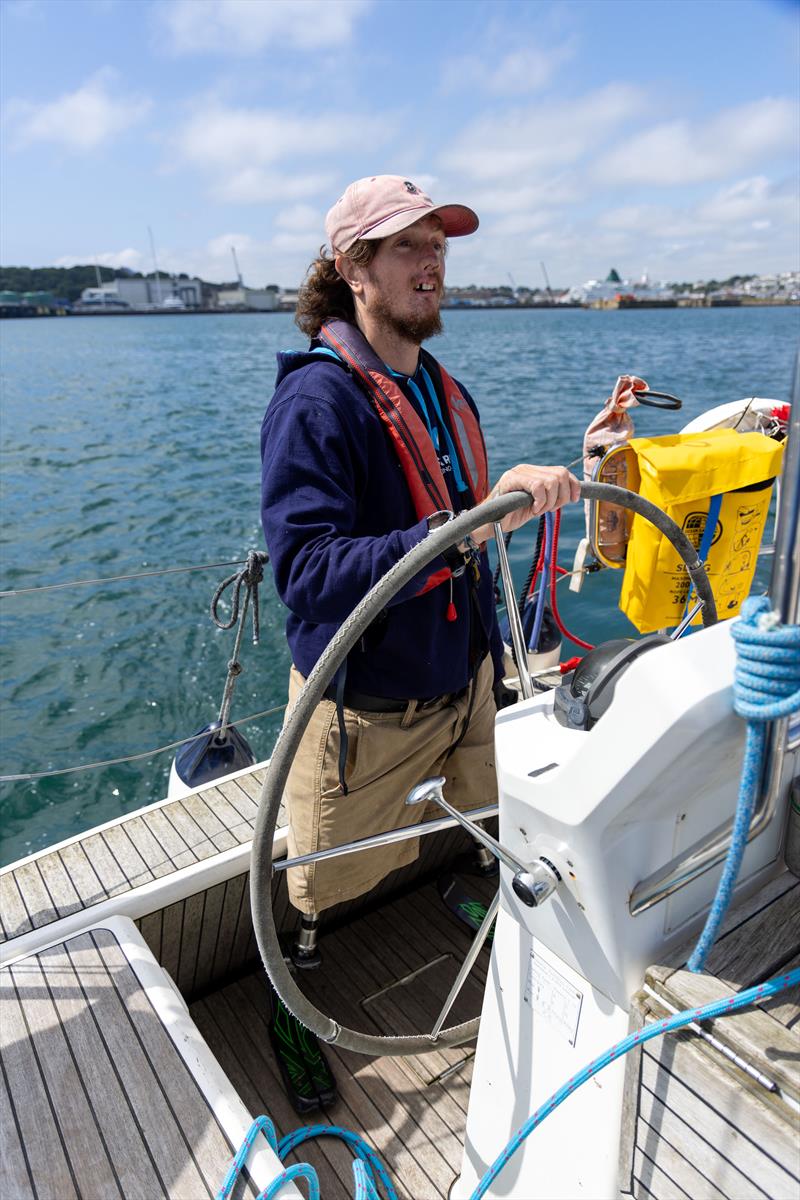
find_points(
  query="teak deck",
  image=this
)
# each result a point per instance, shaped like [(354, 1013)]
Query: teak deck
[(700, 1125), (411, 1110), (696, 1124), (96, 1102), (140, 848)]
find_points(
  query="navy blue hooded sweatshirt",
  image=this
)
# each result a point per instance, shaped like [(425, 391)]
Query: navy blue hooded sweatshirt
[(337, 514)]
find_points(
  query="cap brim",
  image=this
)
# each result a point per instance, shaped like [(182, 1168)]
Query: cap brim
[(457, 221)]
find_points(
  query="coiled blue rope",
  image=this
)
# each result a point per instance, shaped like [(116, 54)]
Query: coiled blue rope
[(365, 1169), (766, 686)]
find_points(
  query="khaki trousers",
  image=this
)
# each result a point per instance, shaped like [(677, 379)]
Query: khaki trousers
[(387, 755)]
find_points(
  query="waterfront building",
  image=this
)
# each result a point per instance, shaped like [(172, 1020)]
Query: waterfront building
[(258, 299), (145, 293)]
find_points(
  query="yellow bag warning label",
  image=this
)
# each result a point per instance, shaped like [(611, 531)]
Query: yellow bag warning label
[(681, 474)]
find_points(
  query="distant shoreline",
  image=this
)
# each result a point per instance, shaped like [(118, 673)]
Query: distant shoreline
[(7, 313)]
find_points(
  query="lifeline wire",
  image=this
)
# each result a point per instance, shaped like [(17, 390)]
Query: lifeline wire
[(30, 776), (115, 762), (52, 587), (766, 686)]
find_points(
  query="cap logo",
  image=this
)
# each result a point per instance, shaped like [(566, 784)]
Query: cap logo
[(411, 187)]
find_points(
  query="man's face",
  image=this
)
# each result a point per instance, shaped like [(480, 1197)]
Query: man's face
[(404, 283)]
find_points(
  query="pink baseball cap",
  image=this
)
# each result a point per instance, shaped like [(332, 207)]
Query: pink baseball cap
[(381, 205)]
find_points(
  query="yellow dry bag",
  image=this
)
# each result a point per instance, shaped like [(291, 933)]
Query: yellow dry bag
[(691, 475)]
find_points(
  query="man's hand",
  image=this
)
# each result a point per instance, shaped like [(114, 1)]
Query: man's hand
[(549, 488)]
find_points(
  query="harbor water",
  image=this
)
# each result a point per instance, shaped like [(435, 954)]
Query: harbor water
[(131, 445)]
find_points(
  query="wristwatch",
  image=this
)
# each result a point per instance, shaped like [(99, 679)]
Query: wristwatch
[(452, 556)]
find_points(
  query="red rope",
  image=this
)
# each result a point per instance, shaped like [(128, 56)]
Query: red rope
[(553, 581)]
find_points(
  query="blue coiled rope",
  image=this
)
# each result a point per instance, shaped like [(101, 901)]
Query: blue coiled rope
[(766, 686), (366, 1168)]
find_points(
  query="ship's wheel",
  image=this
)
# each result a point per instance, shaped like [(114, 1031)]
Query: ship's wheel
[(261, 869)]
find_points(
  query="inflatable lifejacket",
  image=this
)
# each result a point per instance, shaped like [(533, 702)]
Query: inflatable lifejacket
[(408, 435)]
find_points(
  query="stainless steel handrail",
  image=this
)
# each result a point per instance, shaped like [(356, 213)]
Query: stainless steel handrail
[(784, 591), (514, 619), (386, 839)]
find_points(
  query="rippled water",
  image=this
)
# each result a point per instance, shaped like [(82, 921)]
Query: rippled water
[(131, 444)]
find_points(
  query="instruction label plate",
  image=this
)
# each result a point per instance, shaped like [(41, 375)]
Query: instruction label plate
[(553, 997)]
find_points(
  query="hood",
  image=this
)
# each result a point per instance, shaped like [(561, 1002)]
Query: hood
[(293, 360)]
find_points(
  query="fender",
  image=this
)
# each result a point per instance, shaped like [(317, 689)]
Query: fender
[(408, 436)]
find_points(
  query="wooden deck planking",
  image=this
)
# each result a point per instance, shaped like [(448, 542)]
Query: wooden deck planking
[(749, 1033), (83, 875), (661, 1122), (35, 896), (78, 1129), (95, 1100), (213, 903), (130, 861), (144, 847), (148, 846), (167, 836), (689, 1109), (15, 916), (233, 900), (199, 1145), (15, 1170), (417, 1126), (238, 799), (673, 1165), (242, 1049), (30, 1104), (773, 936), (59, 886), (191, 925), (785, 1007), (185, 825), (652, 1181), (739, 1124)]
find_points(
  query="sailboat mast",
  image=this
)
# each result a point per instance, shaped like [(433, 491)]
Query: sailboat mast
[(155, 266)]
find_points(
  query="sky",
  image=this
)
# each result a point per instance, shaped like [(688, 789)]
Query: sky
[(654, 136)]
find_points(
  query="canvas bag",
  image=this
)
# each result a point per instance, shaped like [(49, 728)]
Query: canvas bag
[(687, 475)]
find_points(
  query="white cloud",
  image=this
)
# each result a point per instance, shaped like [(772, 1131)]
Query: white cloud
[(282, 258), (754, 200), (514, 143), (302, 218), (109, 258), (750, 204), (81, 120), (262, 156), (240, 138), (678, 152), (552, 191), (248, 26), (255, 185), (528, 69)]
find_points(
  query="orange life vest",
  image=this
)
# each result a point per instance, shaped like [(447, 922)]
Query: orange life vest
[(409, 437)]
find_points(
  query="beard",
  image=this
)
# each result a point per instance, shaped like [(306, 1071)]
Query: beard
[(415, 329)]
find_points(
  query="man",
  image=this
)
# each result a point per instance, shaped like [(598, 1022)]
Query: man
[(367, 445)]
